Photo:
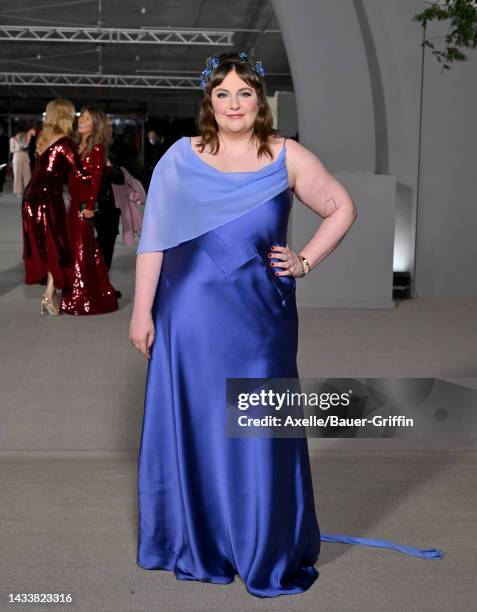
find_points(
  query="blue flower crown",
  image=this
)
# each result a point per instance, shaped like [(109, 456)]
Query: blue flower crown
[(214, 61)]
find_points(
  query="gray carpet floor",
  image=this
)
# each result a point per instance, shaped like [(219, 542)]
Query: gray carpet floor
[(71, 409)]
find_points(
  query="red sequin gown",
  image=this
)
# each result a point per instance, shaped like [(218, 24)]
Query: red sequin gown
[(45, 246), (90, 291)]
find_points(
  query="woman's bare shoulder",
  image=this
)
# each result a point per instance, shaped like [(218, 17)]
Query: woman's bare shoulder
[(295, 147), (298, 155), (303, 165)]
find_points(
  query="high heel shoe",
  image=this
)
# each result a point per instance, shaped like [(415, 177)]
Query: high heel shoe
[(47, 306)]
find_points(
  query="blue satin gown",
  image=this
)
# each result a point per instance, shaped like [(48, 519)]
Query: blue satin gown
[(213, 506)]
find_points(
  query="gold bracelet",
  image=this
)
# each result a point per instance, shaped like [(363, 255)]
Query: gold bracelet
[(305, 263)]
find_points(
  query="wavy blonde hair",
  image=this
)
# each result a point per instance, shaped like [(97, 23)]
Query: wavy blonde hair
[(58, 121), (206, 123), (98, 133)]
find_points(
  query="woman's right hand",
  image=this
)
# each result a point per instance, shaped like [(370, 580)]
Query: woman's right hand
[(141, 332)]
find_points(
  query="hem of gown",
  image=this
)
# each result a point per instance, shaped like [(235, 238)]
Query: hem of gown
[(72, 309), (90, 313), (302, 580), (305, 576), (185, 575)]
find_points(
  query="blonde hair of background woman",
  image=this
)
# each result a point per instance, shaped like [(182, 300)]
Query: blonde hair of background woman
[(58, 121)]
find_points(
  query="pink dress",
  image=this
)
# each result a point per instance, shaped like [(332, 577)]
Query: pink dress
[(127, 197)]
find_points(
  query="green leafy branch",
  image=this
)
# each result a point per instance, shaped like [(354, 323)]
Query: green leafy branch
[(462, 29)]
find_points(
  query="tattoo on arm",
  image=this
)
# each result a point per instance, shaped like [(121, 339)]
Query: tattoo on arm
[(329, 206)]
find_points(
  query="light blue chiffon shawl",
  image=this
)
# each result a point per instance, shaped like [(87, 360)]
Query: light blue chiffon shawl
[(188, 197)]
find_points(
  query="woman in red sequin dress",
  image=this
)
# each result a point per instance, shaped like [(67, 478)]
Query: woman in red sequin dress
[(90, 291), (45, 249)]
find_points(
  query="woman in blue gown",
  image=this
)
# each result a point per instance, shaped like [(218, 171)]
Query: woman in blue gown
[(215, 298)]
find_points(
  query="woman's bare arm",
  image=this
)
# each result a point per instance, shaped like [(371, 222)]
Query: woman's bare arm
[(320, 191), (141, 328)]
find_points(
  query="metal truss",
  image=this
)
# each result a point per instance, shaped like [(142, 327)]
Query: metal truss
[(98, 80), (161, 36)]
